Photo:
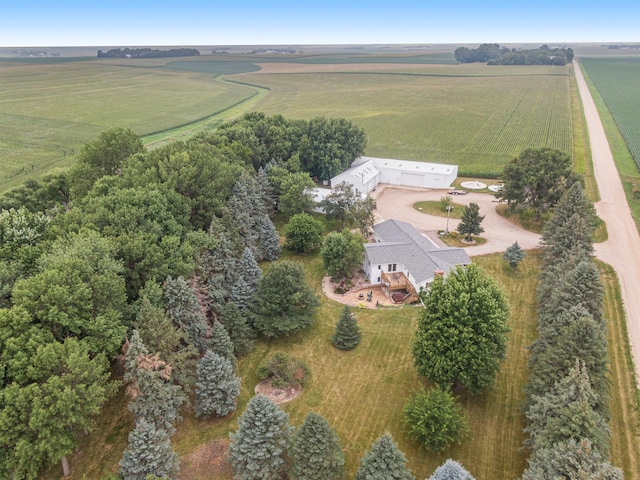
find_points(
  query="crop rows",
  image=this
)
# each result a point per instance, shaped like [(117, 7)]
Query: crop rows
[(478, 119), (617, 81)]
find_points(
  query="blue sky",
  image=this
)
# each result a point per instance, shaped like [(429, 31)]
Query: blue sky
[(276, 22)]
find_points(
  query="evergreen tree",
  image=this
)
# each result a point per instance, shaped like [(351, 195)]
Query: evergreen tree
[(570, 459), (434, 419), (514, 255), (574, 234), (247, 208), (149, 453), (258, 447), (451, 470), (242, 335), (573, 201), (244, 289), (316, 452), (217, 387), (567, 412), (347, 335), (285, 303), (384, 461), (471, 220), (183, 307), (221, 342), (269, 239), (461, 334)]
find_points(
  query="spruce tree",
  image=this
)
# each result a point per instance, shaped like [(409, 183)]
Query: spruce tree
[(316, 452), (247, 208), (451, 470), (240, 332), (221, 342), (149, 453), (573, 201), (567, 412), (571, 459), (183, 307), (217, 387), (384, 461), (269, 240), (244, 289), (258, 448), (514, 255), (347, 335)]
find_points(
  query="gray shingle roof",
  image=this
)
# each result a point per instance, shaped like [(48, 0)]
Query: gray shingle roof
[(402, 243)]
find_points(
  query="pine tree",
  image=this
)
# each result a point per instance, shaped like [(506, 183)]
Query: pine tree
[(514, 255), (347, 335), (571, 459), (183, 307), (221, 342), (471, 220), (451, 470), (434, 419), (149, 453), (573, 201), (217, 387), (244, 289), (258, 447), (247, 208), (384, 461), (316, 452)]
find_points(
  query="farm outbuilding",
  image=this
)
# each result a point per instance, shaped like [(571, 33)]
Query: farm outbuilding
[(367, 172)]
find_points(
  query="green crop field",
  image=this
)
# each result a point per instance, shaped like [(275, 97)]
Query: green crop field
[(476, 116), (618, 82), (49, 110)]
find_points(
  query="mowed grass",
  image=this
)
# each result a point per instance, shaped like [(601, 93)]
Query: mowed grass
[(48, 111), (476, 116)]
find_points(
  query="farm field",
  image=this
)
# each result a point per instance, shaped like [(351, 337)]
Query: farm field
[(476, 116), (616, 79), (48, 111)]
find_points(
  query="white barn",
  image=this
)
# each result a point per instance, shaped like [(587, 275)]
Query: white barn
[(367, 172)]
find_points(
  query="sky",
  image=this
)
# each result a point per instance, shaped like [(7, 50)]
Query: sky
[(309, 22)]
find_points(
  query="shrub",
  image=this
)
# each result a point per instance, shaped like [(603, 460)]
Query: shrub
[(284, 371)]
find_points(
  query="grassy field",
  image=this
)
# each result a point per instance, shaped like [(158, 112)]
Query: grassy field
[(476, 116), (361, 393), (48, 111)]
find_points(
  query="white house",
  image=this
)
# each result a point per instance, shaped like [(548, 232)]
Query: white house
[(367, 172), (403, 259)]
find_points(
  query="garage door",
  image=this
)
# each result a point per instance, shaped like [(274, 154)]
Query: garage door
[(412, 179)]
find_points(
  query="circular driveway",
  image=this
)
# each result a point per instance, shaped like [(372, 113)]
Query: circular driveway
[(397, 202)]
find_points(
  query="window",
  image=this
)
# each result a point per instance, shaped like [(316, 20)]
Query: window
[(379, 267), (378, 279), (394, 268)]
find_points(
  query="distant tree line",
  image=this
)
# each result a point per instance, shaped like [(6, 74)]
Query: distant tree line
[(493, 54), (148, 53)]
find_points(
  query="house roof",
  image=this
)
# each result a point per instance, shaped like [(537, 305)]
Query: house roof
[(400, 242)]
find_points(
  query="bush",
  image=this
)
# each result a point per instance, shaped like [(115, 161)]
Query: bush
[(435, 419), (284, 371)]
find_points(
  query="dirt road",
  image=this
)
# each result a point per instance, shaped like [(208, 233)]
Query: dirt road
[(622, 249)]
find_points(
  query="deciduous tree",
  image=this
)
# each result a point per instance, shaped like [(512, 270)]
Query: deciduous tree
[(471, 220), (285, 303), (461, 335), (303, 233), (342, 253)]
